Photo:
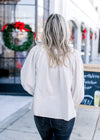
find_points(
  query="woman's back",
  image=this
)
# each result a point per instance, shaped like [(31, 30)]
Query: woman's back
[(56, 90)]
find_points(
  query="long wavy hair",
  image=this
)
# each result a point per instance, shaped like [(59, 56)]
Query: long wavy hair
[(55, 40)]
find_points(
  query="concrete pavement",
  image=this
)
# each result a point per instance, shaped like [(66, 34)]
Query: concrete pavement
[(9, 106), (20, 124), (96, 60)]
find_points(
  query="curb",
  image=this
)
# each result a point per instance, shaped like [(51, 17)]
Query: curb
[(13, 117)]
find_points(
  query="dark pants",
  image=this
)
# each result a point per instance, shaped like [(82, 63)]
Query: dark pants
[(54, 129)]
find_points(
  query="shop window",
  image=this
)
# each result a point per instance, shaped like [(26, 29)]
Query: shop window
[(6, 70), (8, 1), (40, 3), (11, 61), (23, 11), (46, 13), (91, 45), (73, 34), (46, 4), (40, 24), (43, 13), (17, 1), (6, 14), (25, 1), (99, 44), (83, 41), (27, 17), (6, 55)]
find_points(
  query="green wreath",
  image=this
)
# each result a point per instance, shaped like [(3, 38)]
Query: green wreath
[(8, 28)]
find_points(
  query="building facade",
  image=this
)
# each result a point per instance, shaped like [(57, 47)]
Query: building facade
[(83, 18)]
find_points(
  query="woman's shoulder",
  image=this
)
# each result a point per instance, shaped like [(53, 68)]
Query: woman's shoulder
[(36, 49), (75, 52)]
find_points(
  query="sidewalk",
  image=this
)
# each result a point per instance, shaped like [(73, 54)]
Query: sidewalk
[(22, 126), (10, 106), (96, 61)]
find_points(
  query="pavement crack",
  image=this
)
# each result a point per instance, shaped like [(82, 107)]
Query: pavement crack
[(95, 128)]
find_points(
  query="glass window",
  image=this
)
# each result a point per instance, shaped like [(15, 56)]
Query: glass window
[(23, 11), (8, 1), (1, 17), (73, 34), (90, 45), (40, 23), (40, 3), (45, 16), (11, 61), (26, 14), (9, 13), (25, 1), (6, 14), (18, 65), (7, 70), (83, 42), (99, 44), (46, 4)]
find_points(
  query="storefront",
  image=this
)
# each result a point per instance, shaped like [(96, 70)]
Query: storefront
[(99, 43), (73, 34), (31, 12), (83, 41), (91, 45)]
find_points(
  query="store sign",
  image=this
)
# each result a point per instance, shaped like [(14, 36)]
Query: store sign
[(92, 85)]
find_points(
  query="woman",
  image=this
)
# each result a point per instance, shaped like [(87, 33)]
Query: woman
[(53, 74)]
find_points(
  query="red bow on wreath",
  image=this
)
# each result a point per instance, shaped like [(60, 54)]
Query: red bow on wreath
[(91, 36), (84, 36), (19, 25)]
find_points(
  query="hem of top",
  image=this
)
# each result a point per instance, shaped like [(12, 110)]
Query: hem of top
[(53, 117)]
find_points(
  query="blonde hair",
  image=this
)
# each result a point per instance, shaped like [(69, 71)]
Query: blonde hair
[(55, 40)]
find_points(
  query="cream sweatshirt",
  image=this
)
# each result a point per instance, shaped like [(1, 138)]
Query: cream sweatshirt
[(55, 91)]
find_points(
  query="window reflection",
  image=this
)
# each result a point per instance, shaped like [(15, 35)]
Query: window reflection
[(40, 3), (19, 37), (24, 11), (46, 13), (18, 1), (46, 4), (40, 23), (83, 41), (6, 14), (6, 70), (73, 34), (25, 14), (90, 46), (8, 1), (25, 1)]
